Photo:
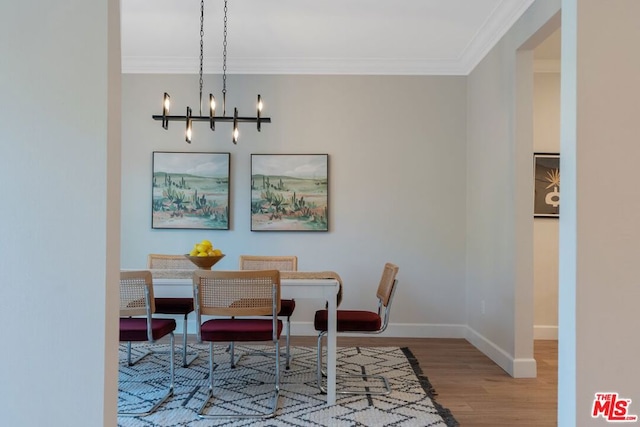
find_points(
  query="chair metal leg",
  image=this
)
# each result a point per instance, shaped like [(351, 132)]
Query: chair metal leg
[(234, 361), (288, 337), (187, 358), (276, 396), (169, 392), (137, 359), (365, 377)]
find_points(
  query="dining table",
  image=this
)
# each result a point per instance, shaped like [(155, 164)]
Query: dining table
[(306, 285)]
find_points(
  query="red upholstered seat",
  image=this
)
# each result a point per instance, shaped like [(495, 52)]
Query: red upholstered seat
[(239, 300), (174, 267), (136, 300), (238, 330), (349, 321), (135, 329), (361, 321), (286, 307), (174, 305)]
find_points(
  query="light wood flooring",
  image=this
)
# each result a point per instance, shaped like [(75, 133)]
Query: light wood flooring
[(475, 389)]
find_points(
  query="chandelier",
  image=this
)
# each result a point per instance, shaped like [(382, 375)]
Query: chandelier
[(189, 118)]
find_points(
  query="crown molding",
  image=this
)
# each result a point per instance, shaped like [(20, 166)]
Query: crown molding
[(341, 66), (503, 17), (498, 22)]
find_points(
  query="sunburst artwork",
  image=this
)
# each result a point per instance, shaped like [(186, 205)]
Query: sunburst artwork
[(546, 185)]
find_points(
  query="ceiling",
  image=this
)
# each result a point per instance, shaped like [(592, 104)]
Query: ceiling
[(412, 37)]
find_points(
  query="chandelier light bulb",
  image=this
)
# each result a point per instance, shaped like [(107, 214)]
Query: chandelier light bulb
[(212, 118), (166, 105), (189, 123)]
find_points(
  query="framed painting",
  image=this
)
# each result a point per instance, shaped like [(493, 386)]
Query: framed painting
[(190, 190), (546, 199), (289, 192)]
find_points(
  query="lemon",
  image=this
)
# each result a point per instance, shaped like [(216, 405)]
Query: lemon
[(217, 252), (193, 252), (202, 254), (206, 242), (201, 248)]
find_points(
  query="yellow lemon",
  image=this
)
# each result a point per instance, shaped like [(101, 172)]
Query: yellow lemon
[(211, 252), (202, 254), (206, 242), (201, 248), (193, 252), (217, 252)]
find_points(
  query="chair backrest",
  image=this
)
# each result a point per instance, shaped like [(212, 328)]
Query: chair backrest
[(136, 293), (265, 262), (169, 262), (386, 286), (236, 293)]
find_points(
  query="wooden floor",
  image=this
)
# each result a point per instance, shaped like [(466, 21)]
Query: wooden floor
[(476, 390)]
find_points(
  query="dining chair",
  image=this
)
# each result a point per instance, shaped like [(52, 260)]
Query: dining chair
[(136, 299), (280, 263), (361, 322), (174, 267), (236, 298)]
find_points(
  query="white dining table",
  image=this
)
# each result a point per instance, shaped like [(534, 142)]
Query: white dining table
[(318, 289)]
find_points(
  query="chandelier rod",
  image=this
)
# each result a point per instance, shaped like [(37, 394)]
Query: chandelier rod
[(165, 117)]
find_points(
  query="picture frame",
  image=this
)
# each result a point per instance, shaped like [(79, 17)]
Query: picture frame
[(546, 173), (289, 192), (190, 190)]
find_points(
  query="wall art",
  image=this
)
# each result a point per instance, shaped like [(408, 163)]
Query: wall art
[(190, 190), (289, 192), (546, 201)]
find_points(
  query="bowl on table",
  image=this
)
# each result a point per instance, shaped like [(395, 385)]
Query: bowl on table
[(204, 262)]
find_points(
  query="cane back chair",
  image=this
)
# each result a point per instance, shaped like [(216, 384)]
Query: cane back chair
[(136, 299), (174, 267), (361, 322), (236, 298), (280, 263)]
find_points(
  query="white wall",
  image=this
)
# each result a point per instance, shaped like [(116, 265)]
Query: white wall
[(599, 233), (59, 244), (546, 139), (499, 202), (397, 183)]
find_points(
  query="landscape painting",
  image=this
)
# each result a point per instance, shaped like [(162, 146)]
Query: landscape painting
[(190, 190), (289, 192)]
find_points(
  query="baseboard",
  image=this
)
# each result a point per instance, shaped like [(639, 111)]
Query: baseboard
[(545, 332), (516, 367), (395, 330)]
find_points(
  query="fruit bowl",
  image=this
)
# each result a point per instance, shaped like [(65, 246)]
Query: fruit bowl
[(204, 262)]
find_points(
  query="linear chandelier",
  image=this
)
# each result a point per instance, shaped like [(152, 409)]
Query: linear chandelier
[(189, 118)]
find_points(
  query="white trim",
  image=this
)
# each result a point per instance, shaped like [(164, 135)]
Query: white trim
[(516, 367), (404, 330), (545, 332), (288, 66)]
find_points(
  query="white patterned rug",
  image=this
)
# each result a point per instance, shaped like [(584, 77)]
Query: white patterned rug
[(249, 386)]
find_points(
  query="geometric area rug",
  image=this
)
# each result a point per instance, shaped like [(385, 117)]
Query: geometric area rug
[(248, 386)]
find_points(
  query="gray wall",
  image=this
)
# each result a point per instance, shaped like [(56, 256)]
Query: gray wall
[(397, 164), (546, 139), (59, 226), (599, 234), (499, 281)]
